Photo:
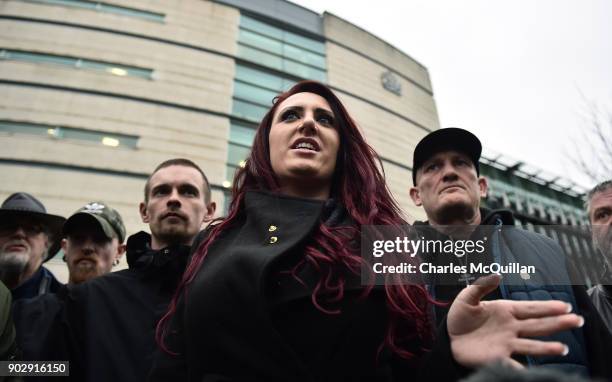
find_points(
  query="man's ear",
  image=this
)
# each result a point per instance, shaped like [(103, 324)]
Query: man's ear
[(63, 244), (48, 241), (415, 195), (144, 215), (120, 251), (483, 185), (210, 212)]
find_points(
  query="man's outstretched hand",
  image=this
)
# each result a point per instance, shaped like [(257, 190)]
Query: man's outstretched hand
[(485, 331)]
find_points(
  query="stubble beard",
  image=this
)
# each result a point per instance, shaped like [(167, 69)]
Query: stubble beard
[(453, 212), (173, 235)]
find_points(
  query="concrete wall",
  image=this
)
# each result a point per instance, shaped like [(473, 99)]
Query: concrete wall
[(391, 123), (180, 112)]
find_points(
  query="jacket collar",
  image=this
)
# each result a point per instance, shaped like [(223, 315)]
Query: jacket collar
[(496, 217), (141, 256), (488, 217), (264, 206), (40, 283)]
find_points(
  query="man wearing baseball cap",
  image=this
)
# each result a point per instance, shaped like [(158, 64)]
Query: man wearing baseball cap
[(29, 236), (448, 185), (93, 241)]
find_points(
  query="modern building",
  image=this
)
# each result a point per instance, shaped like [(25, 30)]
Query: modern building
[(97, 93)]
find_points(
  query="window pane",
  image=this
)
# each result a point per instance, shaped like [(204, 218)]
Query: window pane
[(242, 134), (236, 154), (248, 111), (36, 57), (305, 42), (303, 56), (109, 8), (254, 93), (260, 27), (304, 71), (259, 77), (262, 58), (230, 171), (116, 69), (261, 42), (23, 128), (100, 137), (287, 84)]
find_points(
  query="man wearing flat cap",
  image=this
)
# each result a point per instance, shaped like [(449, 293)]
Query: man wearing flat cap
[(448, 185), (93, 241), (29, 236)]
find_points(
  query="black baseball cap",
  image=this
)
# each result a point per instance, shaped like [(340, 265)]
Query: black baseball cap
[(451, 138)]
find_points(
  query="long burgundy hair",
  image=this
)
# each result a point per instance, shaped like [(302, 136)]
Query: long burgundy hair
[(360, 187)]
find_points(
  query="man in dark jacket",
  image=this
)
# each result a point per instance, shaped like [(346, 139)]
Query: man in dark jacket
[(29, 236), (599, 209), (448, 186), (105, 327)]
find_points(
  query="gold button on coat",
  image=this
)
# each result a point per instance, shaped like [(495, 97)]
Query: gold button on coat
[(273, 239), (272, 228)]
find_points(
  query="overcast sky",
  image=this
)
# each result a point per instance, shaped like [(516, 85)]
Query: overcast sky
[(511, 71)]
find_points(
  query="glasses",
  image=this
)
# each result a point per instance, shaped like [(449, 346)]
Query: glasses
[(30, 228)]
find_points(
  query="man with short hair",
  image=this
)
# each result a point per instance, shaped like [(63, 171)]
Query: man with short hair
[(93, 241), (106, 327), (599, 210), (29, 236), (448, 185), (174, 203)]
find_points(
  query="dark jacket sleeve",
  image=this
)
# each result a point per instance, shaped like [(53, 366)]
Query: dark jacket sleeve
[(8, 345), (170, 364), (50, 328)]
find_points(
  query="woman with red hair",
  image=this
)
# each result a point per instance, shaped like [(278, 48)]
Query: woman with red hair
[(274, 292)]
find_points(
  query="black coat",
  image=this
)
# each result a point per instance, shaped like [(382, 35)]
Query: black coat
[(242, 318), (105, 327)]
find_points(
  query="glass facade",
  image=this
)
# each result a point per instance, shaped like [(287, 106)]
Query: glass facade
[(77, 63), (69, 133), (254, 91), (275, 60), (108, 8), (281, 50)]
